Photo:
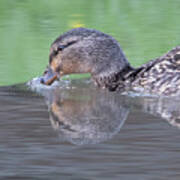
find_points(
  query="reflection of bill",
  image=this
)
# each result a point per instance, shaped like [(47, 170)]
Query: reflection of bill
[(86, 116)]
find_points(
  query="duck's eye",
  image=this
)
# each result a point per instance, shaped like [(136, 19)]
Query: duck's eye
[(60, 47)]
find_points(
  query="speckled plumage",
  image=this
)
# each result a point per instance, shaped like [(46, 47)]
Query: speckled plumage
[(160, 76), (84, 50)]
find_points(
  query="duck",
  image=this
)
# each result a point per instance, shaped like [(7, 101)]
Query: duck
[(83, 50)]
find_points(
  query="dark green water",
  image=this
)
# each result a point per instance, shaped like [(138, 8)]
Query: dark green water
[(145, 30)]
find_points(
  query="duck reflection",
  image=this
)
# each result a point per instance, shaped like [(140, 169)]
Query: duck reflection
[(85, 115), (82, 114), (167, 108)]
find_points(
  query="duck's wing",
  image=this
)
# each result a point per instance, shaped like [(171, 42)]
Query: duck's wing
[(162, 75)]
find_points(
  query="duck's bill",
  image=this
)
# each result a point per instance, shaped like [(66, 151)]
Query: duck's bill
[(49, 77)]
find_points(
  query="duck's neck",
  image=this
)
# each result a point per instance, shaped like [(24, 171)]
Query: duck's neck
[(116, 80)]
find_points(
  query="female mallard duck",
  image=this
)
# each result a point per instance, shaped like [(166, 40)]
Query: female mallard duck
[(84, 50)]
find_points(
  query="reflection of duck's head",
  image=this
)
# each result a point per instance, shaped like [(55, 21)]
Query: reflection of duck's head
[(83, 50), (85, 116)]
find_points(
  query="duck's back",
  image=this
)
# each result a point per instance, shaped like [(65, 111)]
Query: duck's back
[(160, 76)]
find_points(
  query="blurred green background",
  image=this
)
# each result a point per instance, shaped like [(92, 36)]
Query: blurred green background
[(145, 30)]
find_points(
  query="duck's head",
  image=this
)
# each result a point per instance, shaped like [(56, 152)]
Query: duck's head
[(83, 50)]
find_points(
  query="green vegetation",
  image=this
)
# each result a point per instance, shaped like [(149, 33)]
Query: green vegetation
[(145, 30)]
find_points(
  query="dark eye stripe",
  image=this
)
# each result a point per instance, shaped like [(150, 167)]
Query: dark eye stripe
[(60, 48)]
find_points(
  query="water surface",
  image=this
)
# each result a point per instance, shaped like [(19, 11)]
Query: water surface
[(79, 132)]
